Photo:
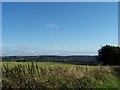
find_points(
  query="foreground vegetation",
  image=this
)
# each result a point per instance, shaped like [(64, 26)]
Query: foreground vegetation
[(33, 75)]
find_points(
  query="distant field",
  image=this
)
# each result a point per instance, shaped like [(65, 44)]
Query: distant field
[(44, 64)]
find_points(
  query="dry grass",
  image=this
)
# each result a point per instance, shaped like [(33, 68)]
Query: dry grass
[(34, 76)]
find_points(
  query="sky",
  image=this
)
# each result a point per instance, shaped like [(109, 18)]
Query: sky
[(58, 28)]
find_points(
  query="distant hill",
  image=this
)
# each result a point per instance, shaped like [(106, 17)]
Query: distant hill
[(51, 58)]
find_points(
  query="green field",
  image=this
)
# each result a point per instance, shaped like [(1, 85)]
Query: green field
[(42, 64), (46, 64), (59, 75)]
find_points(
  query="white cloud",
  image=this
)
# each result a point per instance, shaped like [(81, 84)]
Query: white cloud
[(52, 26), (12, 51)]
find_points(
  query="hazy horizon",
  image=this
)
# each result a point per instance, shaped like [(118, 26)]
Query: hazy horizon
[(58, 28)]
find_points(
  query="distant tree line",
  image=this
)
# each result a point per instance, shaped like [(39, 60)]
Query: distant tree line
[(51, 58), (109, 55)]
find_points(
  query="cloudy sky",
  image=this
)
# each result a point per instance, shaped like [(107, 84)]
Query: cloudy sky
[(58, 28)]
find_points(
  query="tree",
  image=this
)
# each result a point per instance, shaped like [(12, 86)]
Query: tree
[(109, 55)]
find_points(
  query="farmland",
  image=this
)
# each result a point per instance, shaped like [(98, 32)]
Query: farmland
[(58, 75), (46, 64)]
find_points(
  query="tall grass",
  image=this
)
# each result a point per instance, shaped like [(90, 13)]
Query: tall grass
[(33, 76)]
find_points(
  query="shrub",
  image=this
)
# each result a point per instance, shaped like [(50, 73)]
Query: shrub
[(32, 76)]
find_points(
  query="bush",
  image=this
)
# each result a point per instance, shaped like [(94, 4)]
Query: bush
[(32, 76), (109, 55)]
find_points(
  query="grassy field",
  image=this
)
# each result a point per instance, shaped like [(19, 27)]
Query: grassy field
[(59, 75), (46, 64)]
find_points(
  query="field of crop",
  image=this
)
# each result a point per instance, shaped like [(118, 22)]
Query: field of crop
[(46, 64), (58, 75)]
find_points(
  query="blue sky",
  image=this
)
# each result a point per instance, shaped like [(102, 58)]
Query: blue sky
[(58, 28)]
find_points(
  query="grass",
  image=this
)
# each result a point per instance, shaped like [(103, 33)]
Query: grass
[(59, 75), (45, 64)]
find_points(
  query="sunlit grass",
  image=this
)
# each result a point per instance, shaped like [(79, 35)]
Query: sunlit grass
[(58, 75), (45, 64)]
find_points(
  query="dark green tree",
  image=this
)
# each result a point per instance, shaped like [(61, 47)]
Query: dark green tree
[(109, 55)]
